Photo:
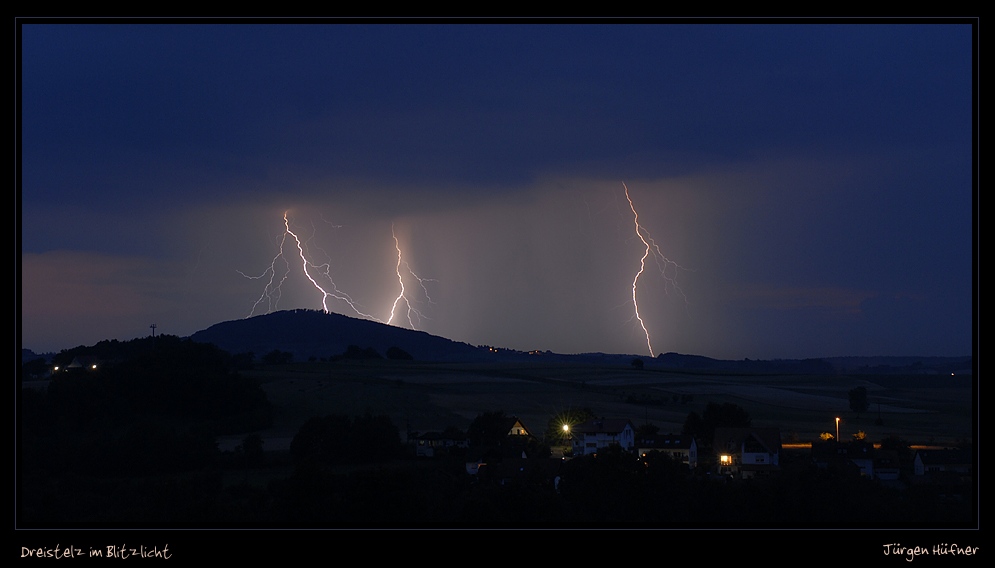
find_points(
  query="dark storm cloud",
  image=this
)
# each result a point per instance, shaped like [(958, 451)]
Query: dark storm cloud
[(191, 104), (796, 170)]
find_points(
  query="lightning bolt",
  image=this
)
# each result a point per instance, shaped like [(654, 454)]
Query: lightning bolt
[(313, 272), (271, 292), (400, 280), (320, 276), (325, 269), (650, 249)]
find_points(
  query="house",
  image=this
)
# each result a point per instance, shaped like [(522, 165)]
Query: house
[(79, 364), (429, 444), (932, 462), (747, 452), (859, 456), (516, 428), (887, 466), (509, 439), (590, 436), (682, 448)]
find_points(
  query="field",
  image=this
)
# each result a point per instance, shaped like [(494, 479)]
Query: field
[(922, 409)]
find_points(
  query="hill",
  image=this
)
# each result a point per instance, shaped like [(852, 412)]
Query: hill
[(307, 334), (314, 333)]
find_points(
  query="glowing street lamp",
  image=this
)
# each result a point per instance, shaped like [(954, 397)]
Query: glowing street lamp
[(837, 429)]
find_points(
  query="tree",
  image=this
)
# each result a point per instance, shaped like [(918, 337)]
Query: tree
[(252, 449), (277, 357), (454, 433), (726, 415), (647, 430), (357, 353), (904, 450), (375, 438), (694, 425), (637, 363), (395, 353), (243, 361), (570, 418), (488, 429), (35, 368), (858, 400), (322, 440)]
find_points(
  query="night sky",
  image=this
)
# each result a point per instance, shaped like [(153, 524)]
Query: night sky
[(807, 186)]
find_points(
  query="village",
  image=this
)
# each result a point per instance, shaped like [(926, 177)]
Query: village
[(175, 431), (733, 453)]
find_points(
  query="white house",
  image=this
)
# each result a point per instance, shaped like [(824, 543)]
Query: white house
[(934, 461), (598, 433)]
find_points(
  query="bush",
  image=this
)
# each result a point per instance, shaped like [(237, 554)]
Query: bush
[(397, 354)]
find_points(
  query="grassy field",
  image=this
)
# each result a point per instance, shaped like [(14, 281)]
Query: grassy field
[(421, 396)]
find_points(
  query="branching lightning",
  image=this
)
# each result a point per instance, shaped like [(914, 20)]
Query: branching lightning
[(326, 272), (401, 296), (271, 292), (651, 249), (320, 276)]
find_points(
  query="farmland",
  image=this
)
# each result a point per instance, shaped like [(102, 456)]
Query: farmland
[(430, 396)]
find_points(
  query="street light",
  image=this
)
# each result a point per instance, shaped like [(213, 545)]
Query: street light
[(837, 429), (567, 440)]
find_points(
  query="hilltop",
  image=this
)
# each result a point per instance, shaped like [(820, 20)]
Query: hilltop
[(316, 334)]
